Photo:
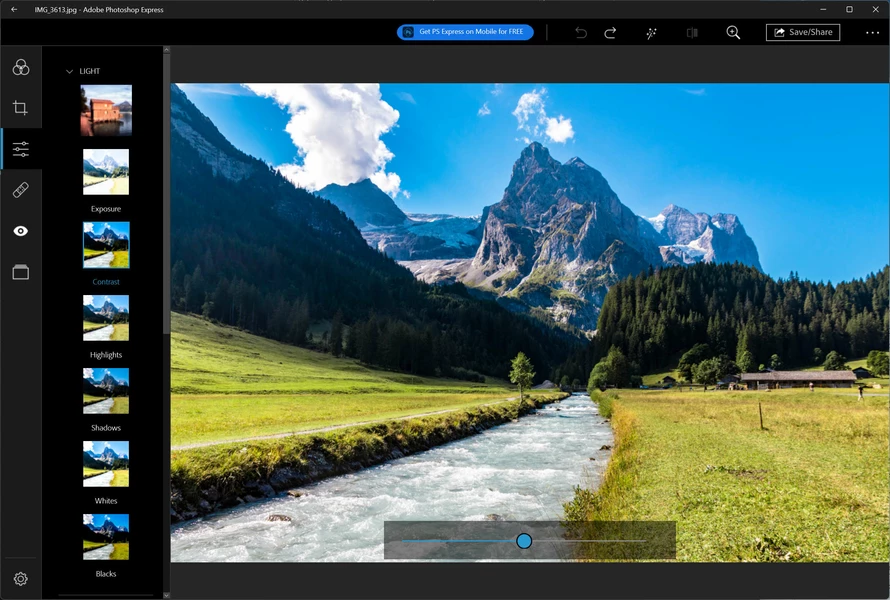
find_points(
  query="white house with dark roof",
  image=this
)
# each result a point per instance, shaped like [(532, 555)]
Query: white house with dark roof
[(786, 379)]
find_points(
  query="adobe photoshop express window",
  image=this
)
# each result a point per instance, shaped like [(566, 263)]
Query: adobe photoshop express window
[(445, 300)]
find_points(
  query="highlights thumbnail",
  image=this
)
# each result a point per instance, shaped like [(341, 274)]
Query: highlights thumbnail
[(106, 318)]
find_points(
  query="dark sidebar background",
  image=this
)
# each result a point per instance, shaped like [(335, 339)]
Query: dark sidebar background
[(66, 574)]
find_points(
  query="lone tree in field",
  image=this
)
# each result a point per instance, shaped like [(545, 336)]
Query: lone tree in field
[(522, 373)]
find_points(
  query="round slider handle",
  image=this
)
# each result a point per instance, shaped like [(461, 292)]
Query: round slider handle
[(524, 541)]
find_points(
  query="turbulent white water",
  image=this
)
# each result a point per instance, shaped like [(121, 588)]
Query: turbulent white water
[(520, 471)]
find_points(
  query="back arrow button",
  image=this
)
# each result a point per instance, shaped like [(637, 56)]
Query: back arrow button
[(582, 33)]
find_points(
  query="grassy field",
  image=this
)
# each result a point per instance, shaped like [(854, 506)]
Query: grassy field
[(278, 388), (92, 545), (92, 180), (812, 486), (121, 185), (121, 332), (87, 399), (120, 552), (121, 405), (121, 259), (121, 478), (90, 253), (88, 472), (90, 326)]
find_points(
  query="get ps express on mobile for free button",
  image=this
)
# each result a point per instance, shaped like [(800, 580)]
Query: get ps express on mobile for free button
[(435, 32), (803, 32)]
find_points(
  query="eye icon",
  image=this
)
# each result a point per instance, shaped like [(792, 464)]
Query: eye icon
[(20, 231)]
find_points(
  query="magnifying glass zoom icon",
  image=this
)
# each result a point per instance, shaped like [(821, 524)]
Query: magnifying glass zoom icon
[(733, 32)]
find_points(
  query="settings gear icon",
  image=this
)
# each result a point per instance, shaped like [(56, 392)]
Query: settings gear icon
[(21, 68), (20, 579)]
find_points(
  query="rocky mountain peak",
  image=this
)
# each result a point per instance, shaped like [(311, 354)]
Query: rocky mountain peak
[(365, 203)]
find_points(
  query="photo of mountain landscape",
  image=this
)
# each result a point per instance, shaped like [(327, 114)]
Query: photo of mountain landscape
[(106, 391), (106, 537), (106, 464), (546, 302), (106, 318), (106, 110), (106, 172), (106, 245)]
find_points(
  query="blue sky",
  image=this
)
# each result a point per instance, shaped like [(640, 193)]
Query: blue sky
[(97, 227), (97, 519), (122, 157), (122, 448), (97, 373), (99, 299), (115, 93), (805, 167)]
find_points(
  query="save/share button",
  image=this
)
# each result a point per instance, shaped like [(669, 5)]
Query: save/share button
[(803, 32)]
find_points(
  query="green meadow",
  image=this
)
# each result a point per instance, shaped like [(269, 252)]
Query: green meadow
[(92, 545), (87, 399), (121, 332), (90, 326), (812, 485), (88, 472), (120, 552), (121, 478), (228, 385)]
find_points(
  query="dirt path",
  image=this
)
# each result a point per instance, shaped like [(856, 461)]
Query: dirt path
[(275, 436), (102, 407), (99, 188), (103, 334), (98, 262), (102, 553), (103, 480)]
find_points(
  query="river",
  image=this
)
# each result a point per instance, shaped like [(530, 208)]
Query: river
[(522, 470)]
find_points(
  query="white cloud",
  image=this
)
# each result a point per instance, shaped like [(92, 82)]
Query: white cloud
[(498, 89), (87, 373), (698, 92), (388, 182), (87, 446), (531, 116), (87, 519), (406, 194), (336, 129), (87, 300), (559, 129), (484, 110), (406, 97), (87, 227)]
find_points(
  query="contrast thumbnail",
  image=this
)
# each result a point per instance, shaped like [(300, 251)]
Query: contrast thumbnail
[(106, 245)]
